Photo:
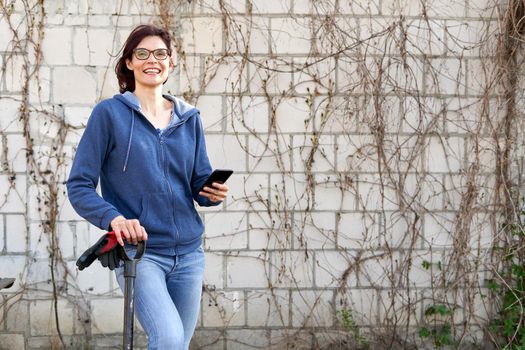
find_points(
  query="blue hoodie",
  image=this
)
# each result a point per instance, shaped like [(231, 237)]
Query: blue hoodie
[(145, 173)]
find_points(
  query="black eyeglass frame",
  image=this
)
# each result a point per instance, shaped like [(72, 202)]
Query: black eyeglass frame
[(154, 52)]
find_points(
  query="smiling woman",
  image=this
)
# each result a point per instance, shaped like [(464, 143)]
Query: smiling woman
[(148, 150)]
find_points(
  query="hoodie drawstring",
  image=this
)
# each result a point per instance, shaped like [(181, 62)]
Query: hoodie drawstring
[(129, 142)]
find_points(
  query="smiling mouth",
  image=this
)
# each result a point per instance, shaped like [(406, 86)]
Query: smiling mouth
[(151, 71)]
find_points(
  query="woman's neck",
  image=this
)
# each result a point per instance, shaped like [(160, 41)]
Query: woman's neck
[(151, 100)]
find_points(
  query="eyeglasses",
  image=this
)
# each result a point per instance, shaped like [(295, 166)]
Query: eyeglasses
[(143, 54)]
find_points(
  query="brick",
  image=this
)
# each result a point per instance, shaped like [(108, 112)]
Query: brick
[(293, 115), (482, 231), (318, 77), (270, 7), (358, 231), (463, 37), (38, 240), (253, 264), (446, 8), (239, 339), (17, 314), (374, 33), (250, 34), (379, 269), (268, 309), (334, 193), (103, 6), (55, 46), (425, 37), (226, 152), (16, 152), (268, 232), (356, 153), (108, 83), (445, 154), (463, 114), (104, 322), (289, 192), (403, 7), (66, 88), (438, 229), (16, 234), (221, 309), (14, 73), (480, 77), (225, 76), (213, 274), (75, 20), (99, 20), (291, 338), (95, 280), (12, 341), (446, 76), (66, 240), (268, 153), (40, 89), (270, 77), (247, 114), (362, 305), (230, 6), (2, 239), (332, 266), (211, 112), (99, 46), (480, 8), (400, 305), (189, 75), (351, 75), (291, 36), (319, 8), (400, 230), (312, 308), (361, 7), (316, 230), (202, 35), (225, 231), (13, 193), (375, 194), (313, 153), (43, 317), (291, 269), (207, 339), (250, 192), (77, 116), (9, 109)]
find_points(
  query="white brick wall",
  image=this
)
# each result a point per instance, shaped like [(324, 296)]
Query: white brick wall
[(270, 79)]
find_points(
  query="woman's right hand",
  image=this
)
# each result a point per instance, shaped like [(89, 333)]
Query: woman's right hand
[(130, 229)]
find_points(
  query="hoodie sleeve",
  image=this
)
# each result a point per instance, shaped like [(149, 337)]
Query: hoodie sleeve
[(201, 168), (84, 176)]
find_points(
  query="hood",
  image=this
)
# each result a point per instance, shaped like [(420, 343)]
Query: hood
[(181, 112), (181, 109)]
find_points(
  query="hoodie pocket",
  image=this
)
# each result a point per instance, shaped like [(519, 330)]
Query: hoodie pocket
[(157, 213)]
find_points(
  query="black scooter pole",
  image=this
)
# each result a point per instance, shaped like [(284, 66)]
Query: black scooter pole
[(130, 273)]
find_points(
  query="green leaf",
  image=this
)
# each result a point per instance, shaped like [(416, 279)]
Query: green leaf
[(424, 332)]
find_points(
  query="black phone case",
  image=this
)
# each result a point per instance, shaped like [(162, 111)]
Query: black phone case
[(218, 175)]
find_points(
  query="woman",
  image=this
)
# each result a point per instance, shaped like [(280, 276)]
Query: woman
[(149, 152)]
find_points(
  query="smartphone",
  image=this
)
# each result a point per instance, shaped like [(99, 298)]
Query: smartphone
[(218, 175)]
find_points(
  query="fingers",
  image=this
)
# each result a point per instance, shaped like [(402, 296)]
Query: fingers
[(131, 230), (216, 193)]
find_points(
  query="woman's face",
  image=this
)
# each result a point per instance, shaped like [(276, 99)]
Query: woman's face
[(152, 71)]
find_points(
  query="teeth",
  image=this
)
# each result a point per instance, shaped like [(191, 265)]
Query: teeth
[(152, 71)]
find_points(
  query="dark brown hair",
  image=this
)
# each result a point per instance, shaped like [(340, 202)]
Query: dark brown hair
[(126, 78)]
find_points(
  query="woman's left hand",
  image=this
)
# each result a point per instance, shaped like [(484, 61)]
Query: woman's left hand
[(216, 193)]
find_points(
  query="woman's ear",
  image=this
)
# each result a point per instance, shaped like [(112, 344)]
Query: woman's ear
[(172, 64), (128, 63)]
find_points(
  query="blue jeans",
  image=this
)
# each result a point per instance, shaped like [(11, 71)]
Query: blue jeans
[(167, 297)]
